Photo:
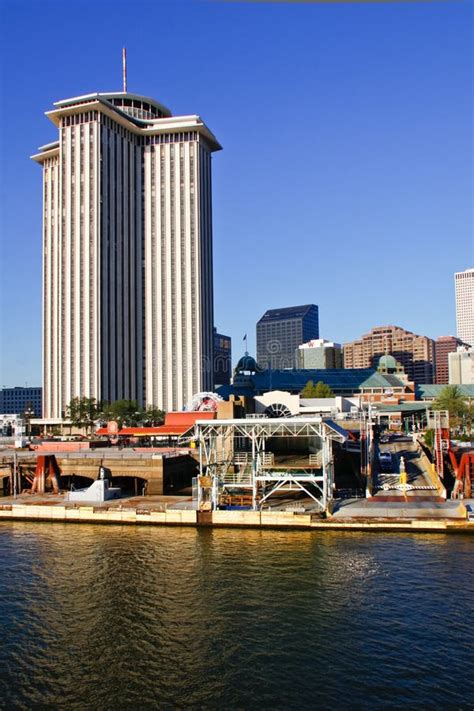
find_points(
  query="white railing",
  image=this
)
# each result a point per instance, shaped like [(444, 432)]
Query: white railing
[(316, 460)]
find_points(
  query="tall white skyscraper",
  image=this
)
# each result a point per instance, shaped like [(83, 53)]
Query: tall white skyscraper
[(464, 285), (127, 258)]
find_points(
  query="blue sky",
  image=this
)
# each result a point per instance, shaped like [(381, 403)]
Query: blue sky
[(346, 178)]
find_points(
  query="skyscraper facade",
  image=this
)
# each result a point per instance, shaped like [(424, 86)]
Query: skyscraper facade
[(461, 366), (444, 345), (464, 286), (127, 253), (18, 400), (222, 358), (415, 353), (281, 331), (319, 354)]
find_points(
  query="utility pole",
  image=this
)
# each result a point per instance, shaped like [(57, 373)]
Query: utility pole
[(15, 471)]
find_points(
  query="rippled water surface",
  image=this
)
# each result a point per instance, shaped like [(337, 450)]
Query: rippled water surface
[(119, 618)]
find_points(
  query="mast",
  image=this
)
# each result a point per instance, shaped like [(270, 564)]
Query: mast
[(124, 69)]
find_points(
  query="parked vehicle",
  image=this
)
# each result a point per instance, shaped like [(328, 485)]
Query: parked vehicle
[(385, 462)]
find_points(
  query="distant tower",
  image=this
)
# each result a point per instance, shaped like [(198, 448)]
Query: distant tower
[(444, 345), (127, 260), (222, 358), (464, 285), (281, 331)]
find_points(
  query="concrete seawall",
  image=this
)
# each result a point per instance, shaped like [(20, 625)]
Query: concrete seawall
[(133, 515)]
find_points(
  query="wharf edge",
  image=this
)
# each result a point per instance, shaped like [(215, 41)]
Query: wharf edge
[(218, 519)]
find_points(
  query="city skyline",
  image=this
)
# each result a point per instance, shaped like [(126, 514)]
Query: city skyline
[(373, 167)]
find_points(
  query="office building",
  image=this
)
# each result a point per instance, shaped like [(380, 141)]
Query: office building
[(19, 400), (415, 353), (319, 353), (222, 358), (461, 366), (281, 331), (443, 346), (127, 258), (464, 286)]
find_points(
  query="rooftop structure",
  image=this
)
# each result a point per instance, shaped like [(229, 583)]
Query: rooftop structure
[(176, 424), (430, 391)]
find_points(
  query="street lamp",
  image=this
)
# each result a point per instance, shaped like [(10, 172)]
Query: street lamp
[(28, 414)]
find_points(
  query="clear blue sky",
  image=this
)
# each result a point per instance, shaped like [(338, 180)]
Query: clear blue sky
[(346, 177)]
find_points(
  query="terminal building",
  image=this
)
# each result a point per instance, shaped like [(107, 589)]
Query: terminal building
[(387, 384)]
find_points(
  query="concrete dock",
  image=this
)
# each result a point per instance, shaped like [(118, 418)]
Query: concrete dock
[(449, 517)]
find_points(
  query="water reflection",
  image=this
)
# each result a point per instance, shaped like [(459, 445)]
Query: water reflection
[(122, 617)]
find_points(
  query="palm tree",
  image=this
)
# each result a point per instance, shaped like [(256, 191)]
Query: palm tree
[(451, 399)]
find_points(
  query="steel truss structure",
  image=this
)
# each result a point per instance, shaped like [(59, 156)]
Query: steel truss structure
[(233, 460)]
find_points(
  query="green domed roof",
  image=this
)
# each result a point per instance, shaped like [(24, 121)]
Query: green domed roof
[(247, 363), (387, 363)]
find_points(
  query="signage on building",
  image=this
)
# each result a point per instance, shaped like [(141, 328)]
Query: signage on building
[(112, 427)]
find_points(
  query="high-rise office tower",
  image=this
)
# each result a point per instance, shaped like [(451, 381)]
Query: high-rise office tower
[(464, 285), (319, 354), (461, 366), (222, 358), (281, 331), (127, 265)]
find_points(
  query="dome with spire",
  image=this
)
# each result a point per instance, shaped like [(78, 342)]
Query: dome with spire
[(388, 364), (247, 364)]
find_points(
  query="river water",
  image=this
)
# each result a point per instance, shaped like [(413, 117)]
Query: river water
[(96, 617)]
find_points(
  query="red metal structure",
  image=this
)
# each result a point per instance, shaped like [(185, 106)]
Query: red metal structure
[(175, 425), (463, 474), (46, 466)]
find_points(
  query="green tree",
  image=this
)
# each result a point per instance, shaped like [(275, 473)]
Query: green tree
[(469, 417), (153, 417), (125, 412), (451, 399), (320, 390), (82, 412), (308, 390), (323, 390), (429, 438)]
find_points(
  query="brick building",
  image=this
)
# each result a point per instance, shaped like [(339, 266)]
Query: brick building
[(444, 345), (416, 353)]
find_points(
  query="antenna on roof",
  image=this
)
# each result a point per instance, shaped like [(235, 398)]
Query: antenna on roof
[(124, 69)]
